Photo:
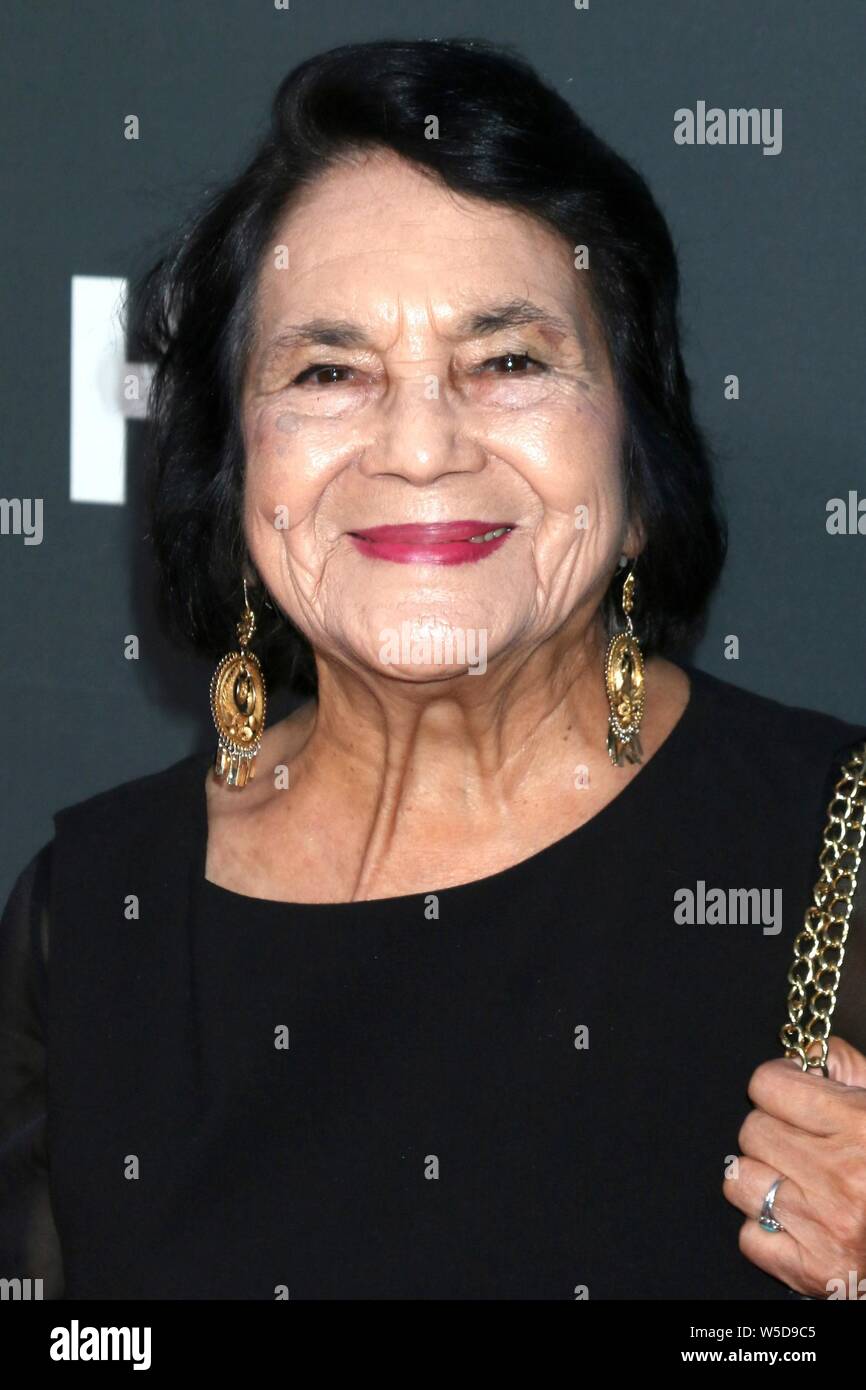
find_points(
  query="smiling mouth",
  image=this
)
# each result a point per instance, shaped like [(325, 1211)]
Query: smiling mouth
[(434, 542)]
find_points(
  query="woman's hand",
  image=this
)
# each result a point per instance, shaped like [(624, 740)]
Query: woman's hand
[(810, 1129)]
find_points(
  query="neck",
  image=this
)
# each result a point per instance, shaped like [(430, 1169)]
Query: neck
[(511, 732)]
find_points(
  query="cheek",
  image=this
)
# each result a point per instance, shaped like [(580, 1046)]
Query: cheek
[(290, 462), (569, 453)]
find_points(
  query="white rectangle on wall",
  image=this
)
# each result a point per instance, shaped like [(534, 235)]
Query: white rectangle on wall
[(97, 425)]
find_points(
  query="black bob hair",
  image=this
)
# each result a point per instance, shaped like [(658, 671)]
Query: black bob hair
[(505, 137)]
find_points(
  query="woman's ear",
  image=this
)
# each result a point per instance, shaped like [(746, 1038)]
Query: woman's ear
[(634, 539), (258, 592)]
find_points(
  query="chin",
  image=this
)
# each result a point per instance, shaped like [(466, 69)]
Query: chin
[(418, 674), (425, 649)]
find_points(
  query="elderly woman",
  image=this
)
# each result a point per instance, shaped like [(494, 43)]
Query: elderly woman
[(465, 979)]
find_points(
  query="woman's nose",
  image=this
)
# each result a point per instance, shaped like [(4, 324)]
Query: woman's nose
[(420, 434)]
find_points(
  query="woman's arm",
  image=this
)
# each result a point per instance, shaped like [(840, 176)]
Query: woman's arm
[(29, 1243), (806, 1134)]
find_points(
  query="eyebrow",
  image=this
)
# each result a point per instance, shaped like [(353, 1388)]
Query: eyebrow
[(482, 322)]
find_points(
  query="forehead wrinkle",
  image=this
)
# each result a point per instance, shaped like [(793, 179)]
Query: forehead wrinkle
[(481, 321), (410, 324)]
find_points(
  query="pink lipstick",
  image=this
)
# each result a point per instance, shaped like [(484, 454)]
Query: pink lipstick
[(433, 543)]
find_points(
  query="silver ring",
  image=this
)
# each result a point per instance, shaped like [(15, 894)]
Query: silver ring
[(767, 1220)]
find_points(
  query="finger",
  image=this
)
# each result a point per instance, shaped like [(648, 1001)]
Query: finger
[(845, 1063), (777, 1254), (749, 1184), (810, 1102), (781, 1146), (824, 1188), (814, 1244)]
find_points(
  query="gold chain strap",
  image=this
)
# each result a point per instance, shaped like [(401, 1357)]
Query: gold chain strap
[(819, 948)]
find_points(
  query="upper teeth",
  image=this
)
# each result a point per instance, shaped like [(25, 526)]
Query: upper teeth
[(491, 535)]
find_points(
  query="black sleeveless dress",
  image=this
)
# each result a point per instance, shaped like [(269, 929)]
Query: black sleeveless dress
[(523, 1087)]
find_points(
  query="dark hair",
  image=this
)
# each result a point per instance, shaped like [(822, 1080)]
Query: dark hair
[(505, 137)]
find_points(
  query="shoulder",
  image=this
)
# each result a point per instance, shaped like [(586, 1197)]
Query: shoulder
[(764, 747), (167, 792), (763, 722), (168, 802)]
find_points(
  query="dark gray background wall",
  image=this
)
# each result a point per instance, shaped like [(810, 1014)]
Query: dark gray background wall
[(772, 261)]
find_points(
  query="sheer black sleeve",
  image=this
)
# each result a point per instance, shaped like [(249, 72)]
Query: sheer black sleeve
[(29, 1243)]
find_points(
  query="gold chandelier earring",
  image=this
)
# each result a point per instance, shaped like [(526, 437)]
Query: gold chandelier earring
[(237, 701), (624, 679)]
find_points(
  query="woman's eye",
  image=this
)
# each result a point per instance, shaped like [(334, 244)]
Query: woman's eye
[(333, 374), (316, 374), (511, 363)]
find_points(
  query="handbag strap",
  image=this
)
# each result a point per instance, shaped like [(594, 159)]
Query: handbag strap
[(819, 947)]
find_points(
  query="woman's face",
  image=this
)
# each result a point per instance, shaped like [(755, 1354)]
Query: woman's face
[(423, 359)]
